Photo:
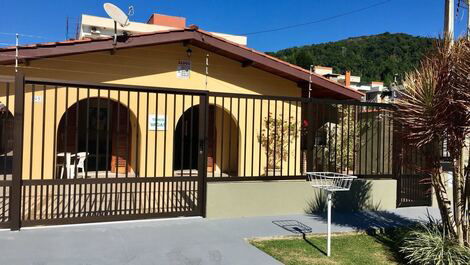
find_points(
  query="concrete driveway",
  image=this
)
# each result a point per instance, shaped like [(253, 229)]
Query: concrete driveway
[(176, 242)]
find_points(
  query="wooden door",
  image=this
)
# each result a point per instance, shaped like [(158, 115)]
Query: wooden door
[(211, 139), (121, 140)]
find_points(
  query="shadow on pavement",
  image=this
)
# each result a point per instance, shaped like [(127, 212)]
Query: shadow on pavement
[(297, 227), (366, 219)]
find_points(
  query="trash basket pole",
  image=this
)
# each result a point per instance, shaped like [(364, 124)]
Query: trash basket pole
[(328, 243)]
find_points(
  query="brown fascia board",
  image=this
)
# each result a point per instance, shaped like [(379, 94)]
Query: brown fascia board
[(29, 53), (196, 38)]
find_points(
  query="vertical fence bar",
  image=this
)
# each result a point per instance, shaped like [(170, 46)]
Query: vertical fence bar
[(260, 133), (191, 121), (310, 136), (137, 154), (222, 132), (245, 138), (289, 136), (42, 155), (164, 137), (155, 145), (183, 131), (282, 136), (173, 163), (348, 141), (253, 139), (230, 139), (146, 135), (117, 119), (275, 138), (341, 115), (354, 147), (335, 141), (296, 135), (15, 190)]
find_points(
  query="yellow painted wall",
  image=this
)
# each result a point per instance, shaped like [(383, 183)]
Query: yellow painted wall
[(155, 67)]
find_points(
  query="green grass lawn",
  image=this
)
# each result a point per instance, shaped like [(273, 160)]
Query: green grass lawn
[(357, 249)]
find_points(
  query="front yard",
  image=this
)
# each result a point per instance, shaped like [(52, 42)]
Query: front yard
[(348, 249)]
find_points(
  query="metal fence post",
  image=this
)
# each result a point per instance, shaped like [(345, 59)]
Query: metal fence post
[(202, 157), (15, 192)]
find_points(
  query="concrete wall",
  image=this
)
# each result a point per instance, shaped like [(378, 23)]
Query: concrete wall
[(266, 198), (384, 193)]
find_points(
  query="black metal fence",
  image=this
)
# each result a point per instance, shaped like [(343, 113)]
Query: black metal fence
[(95, 152), (351, 138), (254, 137), (260, 137)]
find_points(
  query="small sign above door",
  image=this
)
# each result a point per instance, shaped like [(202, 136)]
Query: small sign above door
[(183, 70), (157, 122)]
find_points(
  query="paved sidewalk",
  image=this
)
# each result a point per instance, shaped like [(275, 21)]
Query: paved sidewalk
[(189, 241)]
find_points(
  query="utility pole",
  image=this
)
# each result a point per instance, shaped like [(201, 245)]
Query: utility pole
[(468, 19), (449, 20)]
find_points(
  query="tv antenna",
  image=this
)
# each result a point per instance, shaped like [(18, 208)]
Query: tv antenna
[(118, 16)]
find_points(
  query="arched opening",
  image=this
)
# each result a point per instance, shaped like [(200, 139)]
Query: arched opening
[(222, 142), (6, 141), (100, 128)]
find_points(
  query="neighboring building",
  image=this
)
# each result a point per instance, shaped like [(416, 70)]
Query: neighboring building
[(375, 91), (98, 27)]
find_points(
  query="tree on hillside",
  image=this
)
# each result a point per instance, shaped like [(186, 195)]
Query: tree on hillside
[(377, 57)]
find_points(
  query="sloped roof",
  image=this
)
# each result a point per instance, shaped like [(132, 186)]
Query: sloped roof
[(321, 86)]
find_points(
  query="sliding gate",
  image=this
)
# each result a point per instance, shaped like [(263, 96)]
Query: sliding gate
[(88, 153)]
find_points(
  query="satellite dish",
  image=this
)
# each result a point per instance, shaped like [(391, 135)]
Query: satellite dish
[(116, 14)]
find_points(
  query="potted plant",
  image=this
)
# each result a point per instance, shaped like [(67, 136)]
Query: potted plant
[(277, 134)]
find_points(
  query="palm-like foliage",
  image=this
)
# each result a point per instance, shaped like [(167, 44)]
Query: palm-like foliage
[(434, 107)]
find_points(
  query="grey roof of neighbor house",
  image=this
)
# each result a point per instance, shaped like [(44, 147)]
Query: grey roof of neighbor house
[(321, 86)]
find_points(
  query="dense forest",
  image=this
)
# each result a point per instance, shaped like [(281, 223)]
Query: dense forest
[(374, 58)]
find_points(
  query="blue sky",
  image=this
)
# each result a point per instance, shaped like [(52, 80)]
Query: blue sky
[(47, 19)]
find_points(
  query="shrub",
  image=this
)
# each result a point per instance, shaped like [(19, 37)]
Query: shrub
[(427, 245), (278, 133)]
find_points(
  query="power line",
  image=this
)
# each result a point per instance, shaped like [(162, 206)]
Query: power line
[(320, 20), (23, 35)]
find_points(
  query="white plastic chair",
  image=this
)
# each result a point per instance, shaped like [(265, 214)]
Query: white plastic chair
[(63, 162), (79, 163)]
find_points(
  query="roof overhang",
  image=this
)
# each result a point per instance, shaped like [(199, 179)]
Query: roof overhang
[(321, 87)]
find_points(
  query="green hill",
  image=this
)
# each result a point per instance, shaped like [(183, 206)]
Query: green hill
[(374, 58)]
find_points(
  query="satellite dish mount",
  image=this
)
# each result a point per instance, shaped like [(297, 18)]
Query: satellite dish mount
[(119, 17)]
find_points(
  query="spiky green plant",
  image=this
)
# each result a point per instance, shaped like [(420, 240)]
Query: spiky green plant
[(434, 106), (427, 245)]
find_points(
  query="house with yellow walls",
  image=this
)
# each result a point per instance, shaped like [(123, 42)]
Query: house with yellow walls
[(167, 121)]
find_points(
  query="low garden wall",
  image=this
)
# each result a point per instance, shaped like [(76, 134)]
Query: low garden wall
[(267, 198)]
